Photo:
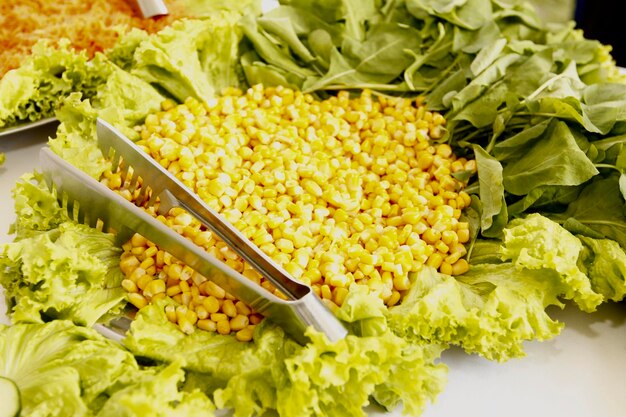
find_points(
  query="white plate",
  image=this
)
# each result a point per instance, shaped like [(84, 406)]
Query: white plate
[(26, 126), (581, 373)]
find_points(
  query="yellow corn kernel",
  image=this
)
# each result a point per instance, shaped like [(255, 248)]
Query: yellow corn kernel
[(219, 317), (242, 308), (401, 282), (239, 322), (245, 334), (202, 312), (175, 271), (211, 304), (431, 236), (192, 316), (184, 286), (285, 245), (143, 281), (156, 286), (129, 285), (255, 318), (137, 300), (215, 290), (173, 290), (449, 237), (326, 292), (435, 260), (150, 252), (446, 267), (207, 324), (228, 308), (138, 240), (223, 327), (457, 252), (170, 313), (463, 235), (441, 247), (460, 267), (393, 299), (425, 161), (185, 325), (339, 295)]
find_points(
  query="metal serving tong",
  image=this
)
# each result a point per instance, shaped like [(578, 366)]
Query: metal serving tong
[(88, 201), (151, 8)]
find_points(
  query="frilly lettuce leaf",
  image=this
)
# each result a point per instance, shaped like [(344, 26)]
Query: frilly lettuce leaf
[(33, 91), (37, 209), (538, 243), (491, 310), (157, 395), (124, 101), (191, 58), (56, 268), (275, 373), (62, 369), (75, 139), (604, 262)]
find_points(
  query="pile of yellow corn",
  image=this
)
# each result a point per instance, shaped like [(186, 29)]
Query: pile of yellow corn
[(340, 192)]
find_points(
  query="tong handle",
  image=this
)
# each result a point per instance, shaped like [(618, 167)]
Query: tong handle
[(151, 8)]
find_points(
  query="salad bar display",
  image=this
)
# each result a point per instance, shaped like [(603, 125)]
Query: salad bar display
[(442, 174)]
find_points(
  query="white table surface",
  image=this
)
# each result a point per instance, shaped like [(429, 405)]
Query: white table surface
[(581, 373)]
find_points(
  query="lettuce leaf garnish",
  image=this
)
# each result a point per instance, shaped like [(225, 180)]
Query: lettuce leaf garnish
[(275, 373), (491, 310), (191, 58), (34, 90), (62, 369), (57, 269)]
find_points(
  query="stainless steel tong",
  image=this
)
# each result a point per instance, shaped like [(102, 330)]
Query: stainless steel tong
[(151, 8), (89, 201)]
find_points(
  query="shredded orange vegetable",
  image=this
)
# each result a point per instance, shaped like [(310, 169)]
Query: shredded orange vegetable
[(90, 25)]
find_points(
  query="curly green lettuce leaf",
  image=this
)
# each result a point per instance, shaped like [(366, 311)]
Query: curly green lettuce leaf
[(491, 310), (57, 269), (604, 262), (275, 373), (538, 243), (157, 395), (62, 369), (75, 139), (124, 101), (192, 58), (34, 90)]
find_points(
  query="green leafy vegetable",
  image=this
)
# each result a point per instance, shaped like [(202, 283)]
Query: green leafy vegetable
[(192, 58), (273, 372), (494, 213), (538, 243), (62, 369), (33, 91), (57, 269), (599, 207), (490, 310)]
